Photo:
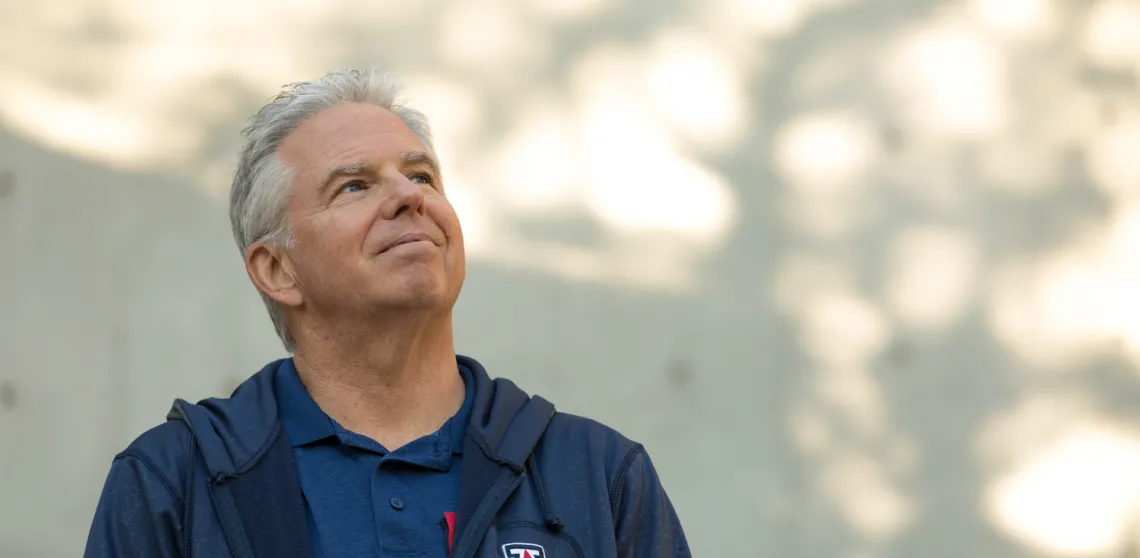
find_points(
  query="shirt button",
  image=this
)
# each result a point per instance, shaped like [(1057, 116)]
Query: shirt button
[(397, 503)]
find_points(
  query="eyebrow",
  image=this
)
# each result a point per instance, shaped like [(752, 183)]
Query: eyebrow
[(420, 158)]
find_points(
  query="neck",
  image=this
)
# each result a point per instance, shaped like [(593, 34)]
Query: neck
[(395, 384)]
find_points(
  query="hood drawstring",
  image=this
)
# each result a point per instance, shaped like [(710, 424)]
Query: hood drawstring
[(549, 518)]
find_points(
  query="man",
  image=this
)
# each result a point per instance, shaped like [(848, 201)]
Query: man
[(375, 438)]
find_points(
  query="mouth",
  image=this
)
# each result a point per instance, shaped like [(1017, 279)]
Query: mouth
[(408, 239)]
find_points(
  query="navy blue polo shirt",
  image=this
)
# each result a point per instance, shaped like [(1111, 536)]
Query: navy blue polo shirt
[(362, 500)]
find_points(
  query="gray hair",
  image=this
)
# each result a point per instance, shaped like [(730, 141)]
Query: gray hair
[(263, 182)]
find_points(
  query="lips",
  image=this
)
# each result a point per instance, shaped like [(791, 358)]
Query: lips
[(408, 239)]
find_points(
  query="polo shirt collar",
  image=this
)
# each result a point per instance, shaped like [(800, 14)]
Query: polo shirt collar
[(305, 422), (303, 419)]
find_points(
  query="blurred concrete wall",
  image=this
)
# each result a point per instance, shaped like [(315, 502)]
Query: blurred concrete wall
[(861, 274)]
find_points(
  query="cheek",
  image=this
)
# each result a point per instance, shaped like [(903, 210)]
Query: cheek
[(444, 215), (332, 236)]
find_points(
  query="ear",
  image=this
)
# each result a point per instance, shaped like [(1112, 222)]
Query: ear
[(268, 267)]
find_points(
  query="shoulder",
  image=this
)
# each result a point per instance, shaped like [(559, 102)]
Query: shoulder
[(162, 453), (578, 431), (576, 438), (141, 508), (168, 443)]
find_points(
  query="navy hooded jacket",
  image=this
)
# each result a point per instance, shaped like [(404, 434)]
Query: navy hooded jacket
[(219, 479)]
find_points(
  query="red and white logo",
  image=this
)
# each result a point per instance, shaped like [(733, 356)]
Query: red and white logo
[(523, 550)]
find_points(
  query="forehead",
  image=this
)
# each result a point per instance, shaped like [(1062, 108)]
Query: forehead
[(347, 133)]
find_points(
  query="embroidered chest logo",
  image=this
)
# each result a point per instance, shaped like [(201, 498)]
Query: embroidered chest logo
[(523, 550)]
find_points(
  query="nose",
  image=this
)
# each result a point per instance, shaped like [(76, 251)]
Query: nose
[(404, 196)]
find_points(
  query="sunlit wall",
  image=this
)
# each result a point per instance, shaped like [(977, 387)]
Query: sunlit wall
[(863, 275)]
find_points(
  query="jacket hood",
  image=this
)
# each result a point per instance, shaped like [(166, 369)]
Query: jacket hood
[(233, 433), (506, 423)]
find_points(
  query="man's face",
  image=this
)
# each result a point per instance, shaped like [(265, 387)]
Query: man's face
[(373, 230)]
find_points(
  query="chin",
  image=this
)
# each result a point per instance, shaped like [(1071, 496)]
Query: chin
[(417, 291)]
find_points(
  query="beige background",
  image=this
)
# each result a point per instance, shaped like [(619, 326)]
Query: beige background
[(861, 274)]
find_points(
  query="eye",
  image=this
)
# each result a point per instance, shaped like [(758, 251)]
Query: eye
[(421, 178), (354, 186)]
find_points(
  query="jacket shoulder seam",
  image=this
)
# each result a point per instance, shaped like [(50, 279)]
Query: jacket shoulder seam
[(619, 480), (150, 464)]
